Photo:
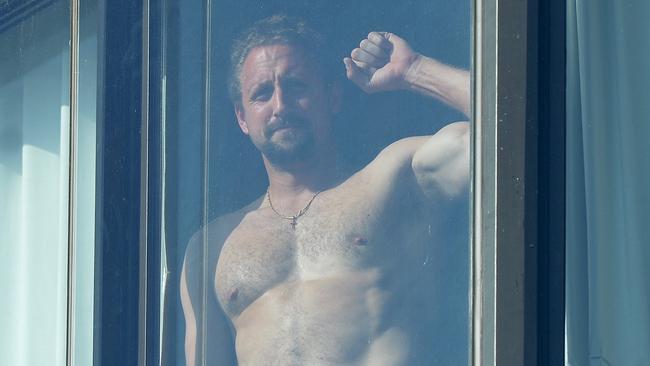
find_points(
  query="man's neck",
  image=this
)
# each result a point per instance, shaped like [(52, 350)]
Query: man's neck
[(292, 185)]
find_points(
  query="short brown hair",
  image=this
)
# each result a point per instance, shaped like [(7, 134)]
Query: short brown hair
[(277, 29)]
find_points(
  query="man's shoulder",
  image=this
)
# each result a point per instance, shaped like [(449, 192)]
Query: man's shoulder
[(400, 161), (391, 169), (400, 153), (395, 157)]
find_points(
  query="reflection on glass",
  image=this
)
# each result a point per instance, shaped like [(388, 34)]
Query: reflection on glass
[(347, 244), (34, 142)]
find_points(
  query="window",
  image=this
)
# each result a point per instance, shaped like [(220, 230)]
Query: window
[(116, 129), (212, 169)]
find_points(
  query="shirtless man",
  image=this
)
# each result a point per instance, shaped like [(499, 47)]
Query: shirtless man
[(325, 268)]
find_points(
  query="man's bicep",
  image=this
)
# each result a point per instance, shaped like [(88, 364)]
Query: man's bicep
[(441, 163), (208, 333)]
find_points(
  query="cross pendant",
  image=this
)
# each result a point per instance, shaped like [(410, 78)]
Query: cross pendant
[(294, 222)]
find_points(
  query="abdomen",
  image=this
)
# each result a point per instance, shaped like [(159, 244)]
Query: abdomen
[(333, 320)]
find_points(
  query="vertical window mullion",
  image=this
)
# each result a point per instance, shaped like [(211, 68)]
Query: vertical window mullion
[(118, 190), (74, 112)]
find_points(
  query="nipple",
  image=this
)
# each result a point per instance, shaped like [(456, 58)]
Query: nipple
[(232, 295), (359, 240)]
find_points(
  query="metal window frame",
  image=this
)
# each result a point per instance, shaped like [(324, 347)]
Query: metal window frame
[(518, 188), (129, 184), (121, 184), (72, 174)]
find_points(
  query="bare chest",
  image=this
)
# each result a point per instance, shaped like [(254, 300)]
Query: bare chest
[(342, 232)]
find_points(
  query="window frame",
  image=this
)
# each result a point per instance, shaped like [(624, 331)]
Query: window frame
[(518, 239), (121, 243), (518, 189)]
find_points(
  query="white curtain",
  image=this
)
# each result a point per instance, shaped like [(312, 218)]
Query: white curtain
[(34, 145), (608, 182), (34, 182)]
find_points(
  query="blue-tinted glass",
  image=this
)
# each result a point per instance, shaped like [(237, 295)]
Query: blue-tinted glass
[(356, 248)]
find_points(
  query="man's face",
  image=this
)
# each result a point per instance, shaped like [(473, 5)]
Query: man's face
[(286, 108)]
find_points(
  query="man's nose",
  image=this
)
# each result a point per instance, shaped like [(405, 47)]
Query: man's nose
[(280, 102)]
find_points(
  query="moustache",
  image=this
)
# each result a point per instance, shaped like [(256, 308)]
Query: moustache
[(285, 122)]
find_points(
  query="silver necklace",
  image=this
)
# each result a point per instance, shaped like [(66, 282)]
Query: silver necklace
[(294, 218)]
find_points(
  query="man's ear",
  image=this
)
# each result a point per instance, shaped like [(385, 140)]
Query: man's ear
[(336, 96), (239, 112)]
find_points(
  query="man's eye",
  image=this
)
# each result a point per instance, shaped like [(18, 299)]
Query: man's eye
[(296, 88), (261, 95)]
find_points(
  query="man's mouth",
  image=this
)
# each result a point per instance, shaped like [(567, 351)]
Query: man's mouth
[(285, 127), (285, 124)]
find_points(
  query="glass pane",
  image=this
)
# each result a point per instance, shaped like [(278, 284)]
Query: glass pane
[(313, 217), (34, 180)]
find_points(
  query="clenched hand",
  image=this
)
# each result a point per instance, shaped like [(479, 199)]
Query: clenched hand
[(380, 63)]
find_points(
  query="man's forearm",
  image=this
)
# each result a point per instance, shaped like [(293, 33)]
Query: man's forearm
[(446, 83)]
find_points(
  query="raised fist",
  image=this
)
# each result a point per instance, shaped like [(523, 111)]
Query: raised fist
[(380, 63)]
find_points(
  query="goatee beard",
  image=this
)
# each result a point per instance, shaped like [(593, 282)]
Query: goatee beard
[(296, 144)]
